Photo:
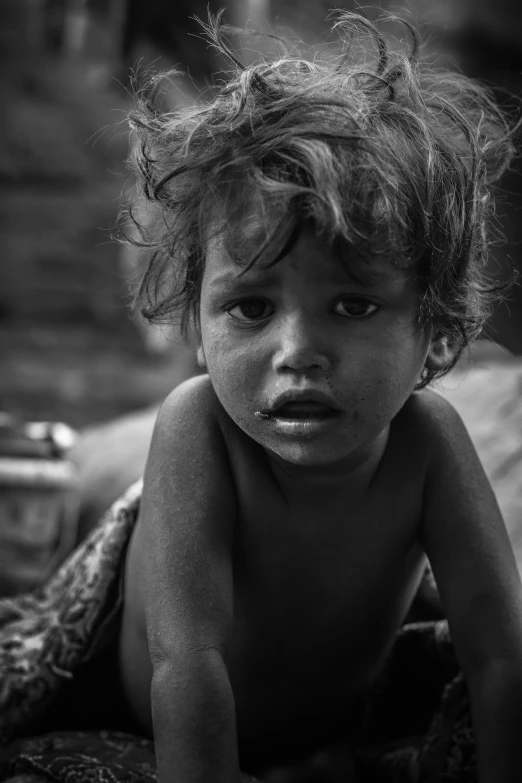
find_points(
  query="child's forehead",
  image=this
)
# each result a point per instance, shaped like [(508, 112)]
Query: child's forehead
[(253, 225), (234, 250)]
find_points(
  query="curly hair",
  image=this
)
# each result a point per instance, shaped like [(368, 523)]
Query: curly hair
[(365, 143)]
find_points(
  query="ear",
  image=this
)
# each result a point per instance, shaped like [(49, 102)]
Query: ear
[(200, 355), (440, 354)]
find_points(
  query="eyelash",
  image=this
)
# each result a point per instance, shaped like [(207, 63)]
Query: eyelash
[(360, 316), (244, 302), (259, 319)]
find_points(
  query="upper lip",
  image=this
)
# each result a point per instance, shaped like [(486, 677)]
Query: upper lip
[(300, 395)]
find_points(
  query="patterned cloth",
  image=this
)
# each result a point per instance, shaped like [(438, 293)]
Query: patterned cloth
[(418, 726)]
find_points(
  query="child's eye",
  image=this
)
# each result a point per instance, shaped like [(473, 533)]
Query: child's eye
[(250, 310), (355, 307)]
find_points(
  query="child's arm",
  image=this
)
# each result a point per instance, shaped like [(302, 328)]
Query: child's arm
[(475, 569), (187, 518)]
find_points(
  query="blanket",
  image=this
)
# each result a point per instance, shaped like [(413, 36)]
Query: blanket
[(417, 726)]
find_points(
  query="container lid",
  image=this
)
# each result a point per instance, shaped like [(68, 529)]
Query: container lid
[(36, 473), (34, 439)]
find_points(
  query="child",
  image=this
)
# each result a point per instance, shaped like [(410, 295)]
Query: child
[(323, 230)]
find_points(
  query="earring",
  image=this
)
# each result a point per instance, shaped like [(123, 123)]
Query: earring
[(440, 354), (200, 356)]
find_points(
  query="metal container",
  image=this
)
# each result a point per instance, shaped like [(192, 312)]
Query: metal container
[(38, 502)]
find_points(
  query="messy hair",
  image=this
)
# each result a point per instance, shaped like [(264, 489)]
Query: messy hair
[(364, 143)]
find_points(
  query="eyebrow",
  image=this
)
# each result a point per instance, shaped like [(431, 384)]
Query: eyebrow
[(268, 277)]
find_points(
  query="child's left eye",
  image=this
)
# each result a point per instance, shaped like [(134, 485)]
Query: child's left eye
[(355, 307)]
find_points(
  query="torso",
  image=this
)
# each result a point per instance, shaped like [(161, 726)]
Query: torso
[(320, 590)]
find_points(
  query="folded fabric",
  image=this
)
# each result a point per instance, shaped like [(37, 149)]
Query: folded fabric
[(418, 721)]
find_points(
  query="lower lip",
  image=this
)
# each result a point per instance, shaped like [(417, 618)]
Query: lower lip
[(303, 428)]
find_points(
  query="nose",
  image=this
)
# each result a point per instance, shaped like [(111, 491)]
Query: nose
[(300, 346)]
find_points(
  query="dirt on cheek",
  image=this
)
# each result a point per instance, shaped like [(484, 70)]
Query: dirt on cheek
[(356, 416)]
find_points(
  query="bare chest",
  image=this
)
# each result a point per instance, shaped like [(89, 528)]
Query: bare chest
[(320, 591)]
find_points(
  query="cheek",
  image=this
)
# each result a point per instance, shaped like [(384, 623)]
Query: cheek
[(384, 380), (403, 354), (232, 369), (231, 354)]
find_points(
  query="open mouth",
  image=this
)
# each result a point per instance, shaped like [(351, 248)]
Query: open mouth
[(303, 410)]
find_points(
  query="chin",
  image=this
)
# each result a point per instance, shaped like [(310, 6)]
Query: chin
[(309, 454)]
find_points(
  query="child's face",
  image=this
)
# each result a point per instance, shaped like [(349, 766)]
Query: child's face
[(308, 362)]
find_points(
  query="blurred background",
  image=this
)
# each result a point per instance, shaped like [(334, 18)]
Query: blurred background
[(69, 349)]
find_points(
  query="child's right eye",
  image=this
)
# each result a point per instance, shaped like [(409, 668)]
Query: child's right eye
[(250, 310)]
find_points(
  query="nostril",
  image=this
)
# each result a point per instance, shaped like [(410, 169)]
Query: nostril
[(303, 364), (300, 351)]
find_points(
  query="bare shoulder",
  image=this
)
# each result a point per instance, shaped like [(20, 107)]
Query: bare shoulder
[(434, 421), (426, 427), (192, 401), (432, 409), (191, 414)]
